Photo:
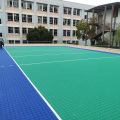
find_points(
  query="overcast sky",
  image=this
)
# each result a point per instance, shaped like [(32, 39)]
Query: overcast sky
[(94, 2)]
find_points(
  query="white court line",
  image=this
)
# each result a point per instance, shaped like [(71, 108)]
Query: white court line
[(36, 89), (39, 50), (50, 54), (68, 61)]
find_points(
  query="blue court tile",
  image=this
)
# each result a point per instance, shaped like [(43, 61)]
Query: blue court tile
[(18, 99)]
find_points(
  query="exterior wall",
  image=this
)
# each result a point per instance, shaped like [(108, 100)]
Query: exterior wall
[(35, 13)]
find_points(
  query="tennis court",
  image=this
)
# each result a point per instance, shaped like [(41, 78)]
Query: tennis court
[(77, 83)]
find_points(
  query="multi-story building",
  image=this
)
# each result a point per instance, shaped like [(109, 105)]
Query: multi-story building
[(17, 17), (108, 19)]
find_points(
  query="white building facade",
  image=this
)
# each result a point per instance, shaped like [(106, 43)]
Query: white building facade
[(17, 17)]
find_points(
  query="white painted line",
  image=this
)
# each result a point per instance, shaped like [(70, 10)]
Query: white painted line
[(39, 50), (36, 89), (51, 54), (68, 61)]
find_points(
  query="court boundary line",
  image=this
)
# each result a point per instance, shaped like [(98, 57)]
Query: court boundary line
[(67, 61), (71, 47), (47, 103), (93, 50)]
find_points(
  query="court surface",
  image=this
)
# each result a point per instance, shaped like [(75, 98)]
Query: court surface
[(77, 83)]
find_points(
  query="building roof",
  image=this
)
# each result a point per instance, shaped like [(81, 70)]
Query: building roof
[(100, 8)]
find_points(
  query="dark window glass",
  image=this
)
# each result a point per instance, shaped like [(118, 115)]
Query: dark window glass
[(10, 17), (44, 20)]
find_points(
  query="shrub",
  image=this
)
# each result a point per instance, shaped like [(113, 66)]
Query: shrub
[(40, 34), (101, 44)]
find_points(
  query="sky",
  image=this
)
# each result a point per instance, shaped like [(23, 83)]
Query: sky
[(94, 2)]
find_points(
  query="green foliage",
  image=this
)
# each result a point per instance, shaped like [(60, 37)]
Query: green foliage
[(116, 38), (101, 44), (81, 29), (40, 34)]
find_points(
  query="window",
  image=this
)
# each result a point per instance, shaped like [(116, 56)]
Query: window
[(67, 10), (10, 17), (66, 32), (24, 31), (64, 21), (9, 3), (53, 8), (44, 20), (74, 33), (55, 32), (29, 5), (55, 21), (0, 34), (67, 22), (23, 18), (30, 18), (51, 20), (10, 29), (16, 17), (0, 21), (29, 29), (39, 7), (17, 30), (45, 7), (40, 19), (15, 3), (75, 22), (23, 4), (17, 41), (85, 17), (76, 11)]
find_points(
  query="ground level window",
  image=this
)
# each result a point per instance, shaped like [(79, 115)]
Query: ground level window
[(11, 41), (17, 41)]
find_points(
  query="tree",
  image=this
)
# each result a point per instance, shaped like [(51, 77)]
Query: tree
[(81, 29), (116, 38), (40, 34)]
